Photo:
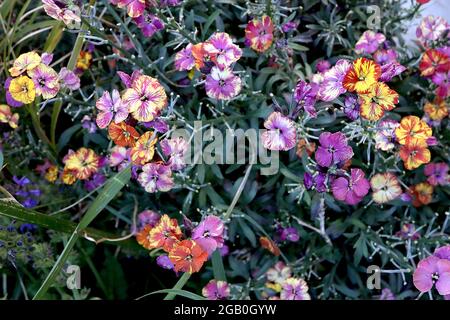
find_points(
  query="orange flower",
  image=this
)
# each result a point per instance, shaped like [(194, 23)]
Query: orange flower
[(421, 194), (363, 74), (415, 153), (68, 177), (188, 256), (268, 244), (304, 146), (144, 149), (82, 163), (122, 134), (412, 127), (433, 61), (200, 55), (164, 235), (52, 174), (378, 99), (436, 111), (143, 236)]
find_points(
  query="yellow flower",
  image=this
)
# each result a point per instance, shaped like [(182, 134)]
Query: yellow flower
[(52, 174), (6, 116), (436, 111), (68, 177), (363, 74), (25, 62), (84, 60), (412, 127), (377, 100), (22, 89), (415, 153)]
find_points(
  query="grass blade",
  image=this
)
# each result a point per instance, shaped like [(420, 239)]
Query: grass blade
[(178, 286), (109, 191), (218, 268)]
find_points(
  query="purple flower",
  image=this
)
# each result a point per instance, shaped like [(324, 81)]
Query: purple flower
[(351, 189), (295, 289), (442, 80), (331, 86), (164, 262), (111, 107), (384, 56), (385, 135), (46, 58), (119, 156), (351, 107), (169, 3), (333, 149), (216, 290), (96, 181), (9, 99), (175, 149), (288, 26), (88, 124), (68, 79), (222, 84), (280, 133), (209, 234), (149, 24), (386, 294), (431, 29), (26, 191), (148, 217), (433, 271), (308, 180), (184, 60), (158, 125), (369, 42), (45, 80), (305, 95), (128, 80), (156, 177), (323, 65), (391, 70), (289, 234), (408, 231), (224, 251), (437, 174), (443, 252)]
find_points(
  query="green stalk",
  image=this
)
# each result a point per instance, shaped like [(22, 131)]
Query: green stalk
[(111, 189), (179, 285)]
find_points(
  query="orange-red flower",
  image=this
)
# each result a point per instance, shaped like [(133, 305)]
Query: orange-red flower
[(143, 236), (68, 177), (421, 194), (200, 55), (188, 256), (144, 149), (378, 99), (433, 61), (164, 235), (268, 244), (415, 153), (412, 127), (362, 75), (123, 134)]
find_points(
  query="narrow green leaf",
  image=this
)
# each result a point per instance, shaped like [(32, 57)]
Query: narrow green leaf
[(109, 191), (177, 292), (178, 286), (218, 268)]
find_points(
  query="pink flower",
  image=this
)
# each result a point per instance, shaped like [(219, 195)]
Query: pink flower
[(433, 271), (369, 42), (331, 86), (184, 60), (385, 135), (222, 50), (391, 70), (118, 156), (175, 149), (110, 107), (209, 234), (156, 177), (295, 289), (280, 133), (149, 24), (68, 79), (216, 290), (135, 8), (431, 29), (259, 33), (351, 190), (333, 149), (60, 10), (222, 84), (384, 56), (45, 81)]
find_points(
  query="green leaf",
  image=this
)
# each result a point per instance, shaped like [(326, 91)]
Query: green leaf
[(109, 191), (178, 286), (179, 292), (209, 22), (218, 268)]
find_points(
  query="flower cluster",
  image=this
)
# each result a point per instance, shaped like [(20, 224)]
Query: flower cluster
[(282, 285), (214, 59), (183, 254), (32, 76)]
